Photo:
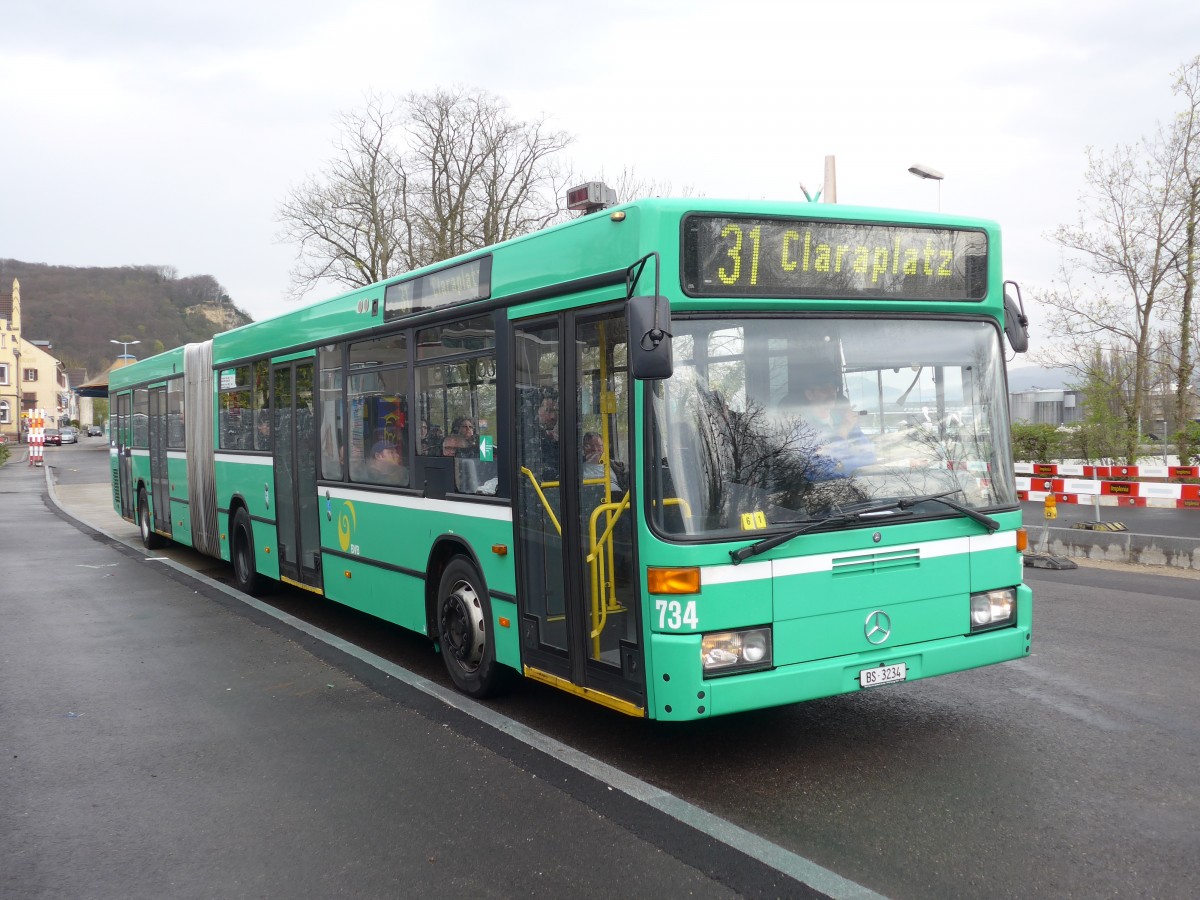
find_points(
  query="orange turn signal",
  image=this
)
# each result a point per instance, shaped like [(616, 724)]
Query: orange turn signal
[(673, 581), (1022, 540)]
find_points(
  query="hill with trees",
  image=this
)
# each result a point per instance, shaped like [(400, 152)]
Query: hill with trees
[(81, 310)]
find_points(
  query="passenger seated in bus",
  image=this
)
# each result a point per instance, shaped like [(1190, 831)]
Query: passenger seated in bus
[(593, 461), (262, 440), (385, 466), (841, 445), (462, 442), (431, 443)]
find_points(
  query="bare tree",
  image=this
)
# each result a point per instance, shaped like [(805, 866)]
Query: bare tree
[(350, 223), (1124, 247), (1185, 140), (1123, 312), (419, 181), (482, 177)]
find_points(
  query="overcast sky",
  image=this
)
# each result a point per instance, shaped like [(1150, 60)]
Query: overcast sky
[(143, 132)]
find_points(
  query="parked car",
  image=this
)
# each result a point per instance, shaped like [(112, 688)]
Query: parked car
[(53, 436), (69, 435), (95, 431)]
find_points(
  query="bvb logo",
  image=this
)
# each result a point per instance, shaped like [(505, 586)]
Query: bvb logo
[(347, 522)]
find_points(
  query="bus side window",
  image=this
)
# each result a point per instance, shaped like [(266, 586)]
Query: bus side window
[(456, 402), (333, 452)]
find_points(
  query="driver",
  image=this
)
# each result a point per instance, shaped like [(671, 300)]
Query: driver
[(842, 447)]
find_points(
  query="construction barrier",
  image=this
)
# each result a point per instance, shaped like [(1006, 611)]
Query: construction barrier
[(1091, 485), (1081, 471), (36, 437)]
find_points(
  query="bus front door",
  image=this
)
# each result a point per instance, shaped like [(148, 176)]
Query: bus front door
[(160, 492), (577, 588), (297, 514)]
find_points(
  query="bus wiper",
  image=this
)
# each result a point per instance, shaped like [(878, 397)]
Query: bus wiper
[(891, 507), (986, 521), (866, 511)]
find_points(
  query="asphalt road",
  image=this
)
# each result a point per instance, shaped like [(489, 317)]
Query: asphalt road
[(1073, 773)]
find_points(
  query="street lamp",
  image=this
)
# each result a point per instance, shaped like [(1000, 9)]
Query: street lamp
[(926, 173), (125, 345)]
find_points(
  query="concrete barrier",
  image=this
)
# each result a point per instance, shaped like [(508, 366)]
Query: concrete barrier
[(1141, 549)]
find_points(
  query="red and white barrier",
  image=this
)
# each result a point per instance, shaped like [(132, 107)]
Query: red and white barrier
[(36, 437), (1036, 481), (1107, 471)]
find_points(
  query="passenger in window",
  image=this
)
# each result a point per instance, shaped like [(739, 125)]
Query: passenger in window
[(593, 462), (431, 444), (262, 440), (545, 449), (462, 442), (385, 466), (593, 449)]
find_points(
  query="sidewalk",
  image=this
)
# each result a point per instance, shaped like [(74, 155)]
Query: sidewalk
[(157, 744)]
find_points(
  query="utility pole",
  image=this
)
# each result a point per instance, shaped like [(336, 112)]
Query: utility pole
[(830, 189)]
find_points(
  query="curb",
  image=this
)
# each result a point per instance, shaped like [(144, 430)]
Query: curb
[(1139, 549)]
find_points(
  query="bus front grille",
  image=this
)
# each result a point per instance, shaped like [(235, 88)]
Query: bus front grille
[(881, 561)]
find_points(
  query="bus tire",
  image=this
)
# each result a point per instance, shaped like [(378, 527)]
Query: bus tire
[(151, 540), (464, 631), (241, 553)]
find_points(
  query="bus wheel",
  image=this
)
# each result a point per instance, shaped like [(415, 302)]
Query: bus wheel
[(150, 539), (464, 623), (241, 552)]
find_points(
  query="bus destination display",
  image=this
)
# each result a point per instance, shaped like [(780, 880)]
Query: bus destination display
[(726, 256), (457, 284)]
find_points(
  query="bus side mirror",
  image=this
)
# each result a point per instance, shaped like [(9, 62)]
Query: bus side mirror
[(649, 321), (1016, 324)]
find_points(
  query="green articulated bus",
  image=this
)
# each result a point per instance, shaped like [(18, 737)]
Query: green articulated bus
[(683, 458)]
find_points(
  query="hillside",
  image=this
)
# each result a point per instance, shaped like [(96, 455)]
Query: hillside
[(80, 310)]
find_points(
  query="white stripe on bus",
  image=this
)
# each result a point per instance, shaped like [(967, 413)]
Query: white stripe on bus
[(403, 501), (248, 460), (823, 562)]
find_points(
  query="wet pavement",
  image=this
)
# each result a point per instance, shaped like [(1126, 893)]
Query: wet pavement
[(164, 736)]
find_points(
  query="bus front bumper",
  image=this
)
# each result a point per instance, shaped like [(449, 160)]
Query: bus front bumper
[(681, 693)]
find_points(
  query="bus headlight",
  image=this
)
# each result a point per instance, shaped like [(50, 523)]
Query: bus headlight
[(728, 652), (993, 609)]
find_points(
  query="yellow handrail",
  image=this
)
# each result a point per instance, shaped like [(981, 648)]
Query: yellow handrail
[(541, 496), (601, 562)]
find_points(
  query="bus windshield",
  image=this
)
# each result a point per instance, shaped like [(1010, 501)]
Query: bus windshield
[(772, 421)]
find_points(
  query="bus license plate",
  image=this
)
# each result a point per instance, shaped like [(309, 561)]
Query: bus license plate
[(882, 675)]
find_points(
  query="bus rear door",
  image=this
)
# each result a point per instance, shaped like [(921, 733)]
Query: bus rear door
[(123, 440), (297, 513), (160, 492)]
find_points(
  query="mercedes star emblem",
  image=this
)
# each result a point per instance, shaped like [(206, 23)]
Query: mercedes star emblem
[(879, 627)]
